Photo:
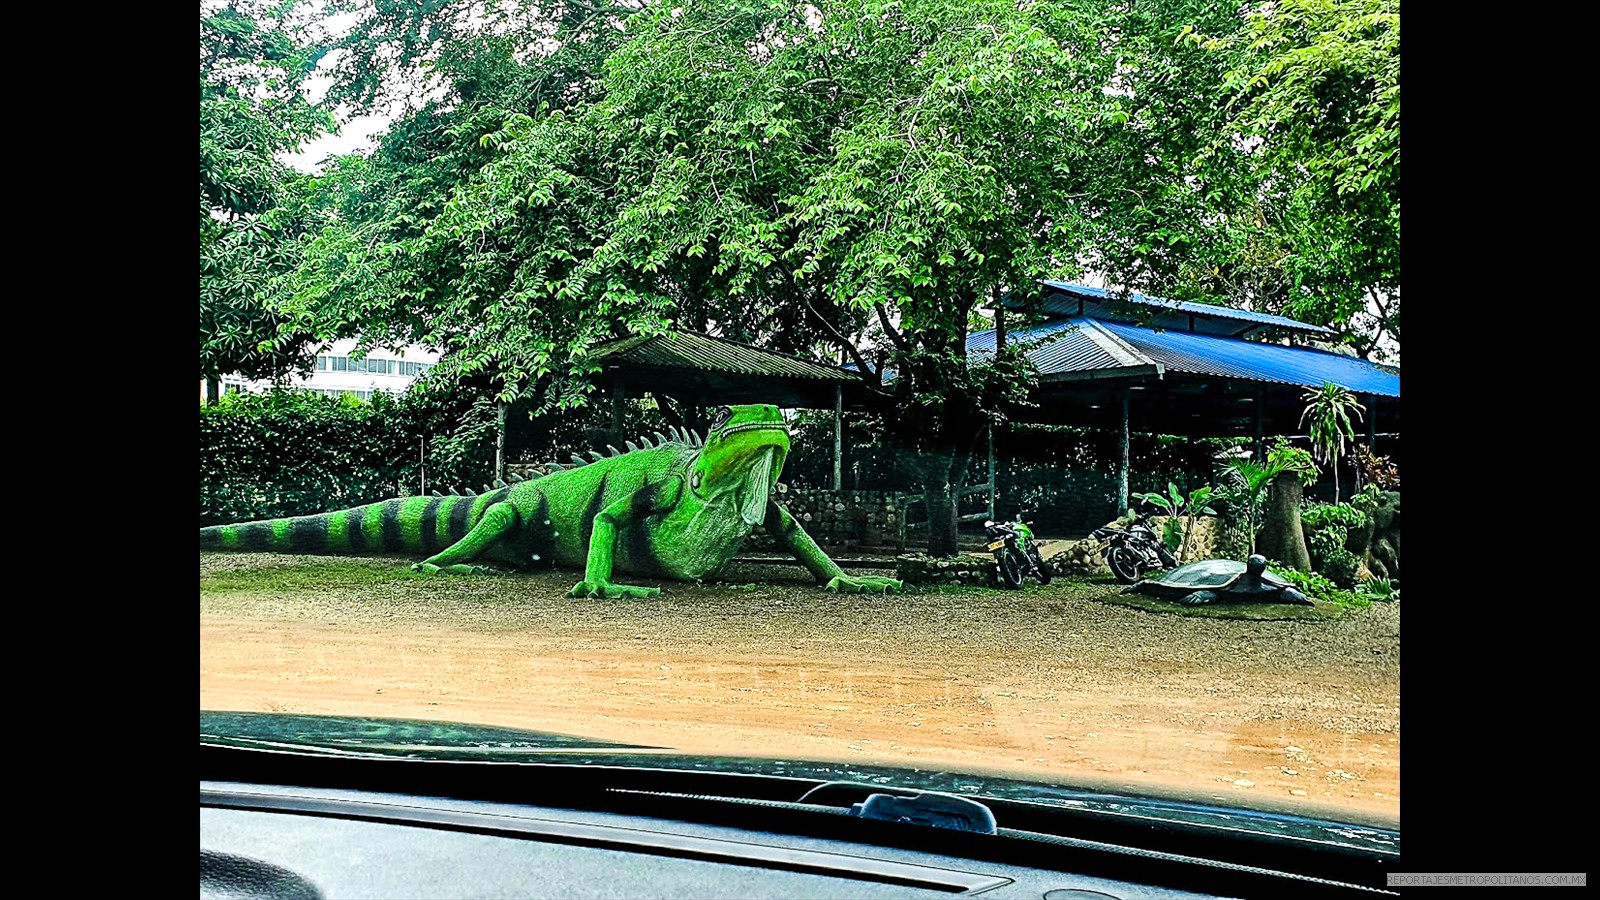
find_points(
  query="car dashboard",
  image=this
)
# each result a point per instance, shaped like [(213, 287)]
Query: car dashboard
[(307, 827)]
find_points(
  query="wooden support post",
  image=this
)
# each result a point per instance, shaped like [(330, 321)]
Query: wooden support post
[(1372, 423), (838, 437), (500, 443), (992, 485), (618, 397), (1258, 449), (1122, 459)]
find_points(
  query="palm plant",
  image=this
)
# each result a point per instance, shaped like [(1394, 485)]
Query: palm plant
[(1328, 409), (1243, 484), (1181, 511)]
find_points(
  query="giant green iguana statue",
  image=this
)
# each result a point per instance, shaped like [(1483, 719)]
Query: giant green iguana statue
[(679, 509)]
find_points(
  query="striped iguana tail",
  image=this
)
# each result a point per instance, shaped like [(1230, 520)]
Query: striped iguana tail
[(405, 524)]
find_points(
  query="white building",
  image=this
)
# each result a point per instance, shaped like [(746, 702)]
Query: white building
[(338, 372)]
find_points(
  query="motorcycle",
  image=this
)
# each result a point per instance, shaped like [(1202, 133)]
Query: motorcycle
[(1016, 552), (1132, 551)]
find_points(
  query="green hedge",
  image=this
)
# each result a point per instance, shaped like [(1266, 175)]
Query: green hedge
[(289, 453)]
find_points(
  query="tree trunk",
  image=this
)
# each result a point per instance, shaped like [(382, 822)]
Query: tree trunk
[(940, 499), (213, 391), (941, 503), (500, 442), (1281, 536)]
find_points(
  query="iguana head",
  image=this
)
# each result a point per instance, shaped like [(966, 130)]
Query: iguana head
[(742, 458)]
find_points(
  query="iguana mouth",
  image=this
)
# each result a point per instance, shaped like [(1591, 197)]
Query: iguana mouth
[(753, 426)]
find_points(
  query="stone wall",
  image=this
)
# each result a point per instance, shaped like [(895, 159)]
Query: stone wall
[(847, 520), (966, 569), (1076, 558)]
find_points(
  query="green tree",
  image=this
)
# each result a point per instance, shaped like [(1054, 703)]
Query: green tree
[(438, 237), (1329, 409), (253, 63), (769, 171), (885, 167), (1313, 90), (1256, 166), (1282, 535)]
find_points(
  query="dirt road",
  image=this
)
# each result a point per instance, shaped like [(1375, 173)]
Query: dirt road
[(1046, 683)]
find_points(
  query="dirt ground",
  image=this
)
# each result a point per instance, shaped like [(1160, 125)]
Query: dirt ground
[(1046, 683)]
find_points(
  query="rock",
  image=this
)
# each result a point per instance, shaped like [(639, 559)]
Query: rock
[(1244, 783)]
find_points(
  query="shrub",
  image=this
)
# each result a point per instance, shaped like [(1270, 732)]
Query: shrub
[(1340, 565), (1380, 589), (290, 453), (1334, 532), (1319, 587), (1318, 514)]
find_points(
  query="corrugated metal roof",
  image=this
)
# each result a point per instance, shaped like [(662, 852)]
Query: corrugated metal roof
[(1075, 345), (681, 350), (1205, 354), (1057, 304), (1083, 344)]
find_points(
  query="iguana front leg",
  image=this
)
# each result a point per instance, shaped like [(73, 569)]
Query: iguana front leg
[(603, 543), (497, 520), (788, 533)]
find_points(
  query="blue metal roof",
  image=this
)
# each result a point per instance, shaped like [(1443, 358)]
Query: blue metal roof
[(1055, 304), (1069, 345), (1082, 345)]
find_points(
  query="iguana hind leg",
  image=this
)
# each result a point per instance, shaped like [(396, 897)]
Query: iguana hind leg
[(497, 520), (602, 554)]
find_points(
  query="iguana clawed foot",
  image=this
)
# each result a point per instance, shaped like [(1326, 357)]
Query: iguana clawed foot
[(611, 591), (428, 568), (866, 584)]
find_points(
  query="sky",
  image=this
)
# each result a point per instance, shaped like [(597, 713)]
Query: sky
[(355, 133), (359, 133)]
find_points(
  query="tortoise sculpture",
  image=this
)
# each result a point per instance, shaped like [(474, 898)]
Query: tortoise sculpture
[(1221, 581)]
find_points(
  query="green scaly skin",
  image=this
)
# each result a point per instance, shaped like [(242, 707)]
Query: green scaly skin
[(678, 509)]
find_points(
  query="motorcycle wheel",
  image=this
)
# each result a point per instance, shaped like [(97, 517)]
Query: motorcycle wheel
[(1124, 564), (1039, 568), (1010, 568)]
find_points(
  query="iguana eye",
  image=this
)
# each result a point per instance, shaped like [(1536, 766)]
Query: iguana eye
[(723, 415)]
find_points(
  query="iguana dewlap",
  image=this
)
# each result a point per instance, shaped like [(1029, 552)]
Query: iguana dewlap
[(677, 509)]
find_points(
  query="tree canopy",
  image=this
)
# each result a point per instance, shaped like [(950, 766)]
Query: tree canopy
[(1314, 89), (253, 64)]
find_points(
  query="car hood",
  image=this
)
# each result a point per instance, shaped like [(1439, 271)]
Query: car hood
[(416, 739)]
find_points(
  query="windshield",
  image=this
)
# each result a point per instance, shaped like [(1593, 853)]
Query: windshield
[(641, 383)]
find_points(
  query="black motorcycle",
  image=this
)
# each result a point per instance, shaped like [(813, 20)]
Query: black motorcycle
[(1134, 550), (1016, 553)]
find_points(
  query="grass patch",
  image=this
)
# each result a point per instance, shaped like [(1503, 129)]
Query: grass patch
[(282, 574)]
